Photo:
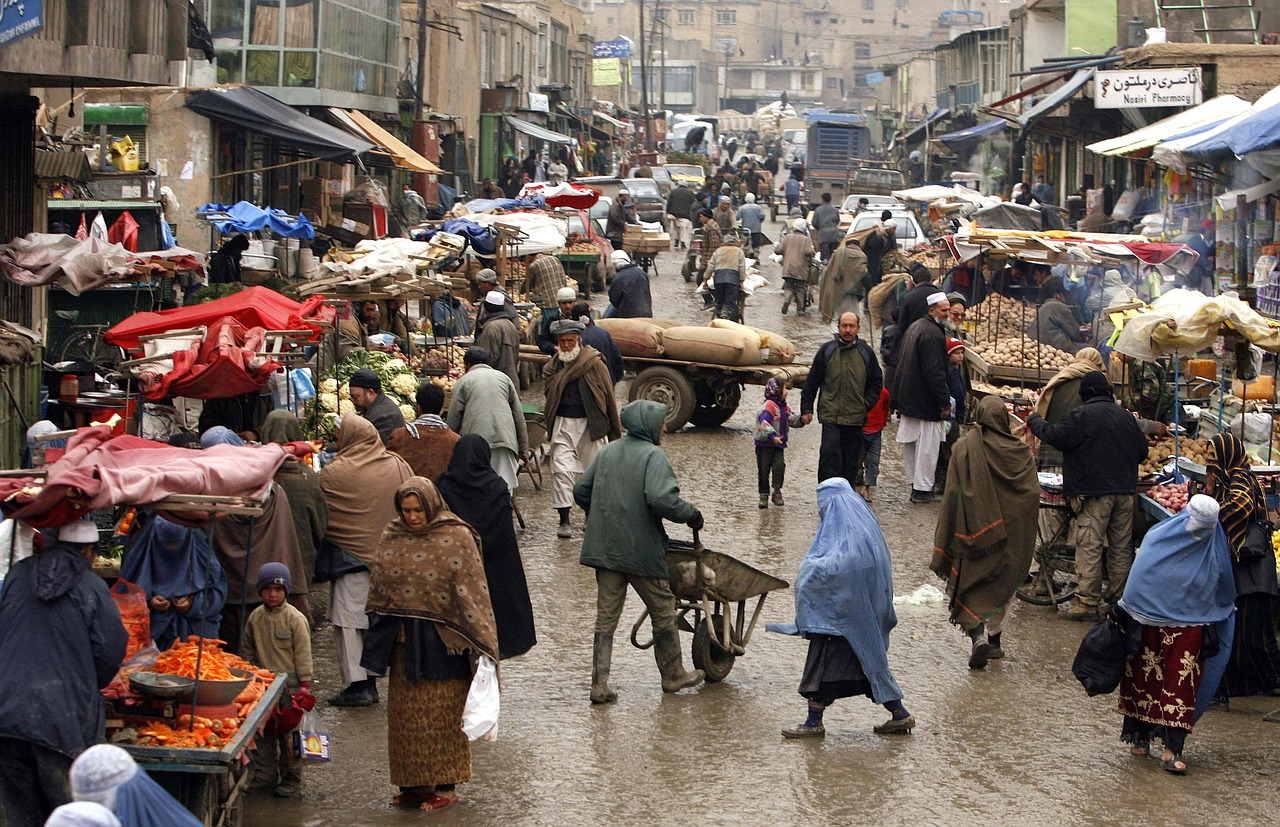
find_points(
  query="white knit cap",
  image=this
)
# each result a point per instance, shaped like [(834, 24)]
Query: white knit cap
[(751, 198), (1202, 511), (82, 814), (78, 531), (99, 772), (619, 258), (800, 224), (891, 224), (495, 297), (566, 294), (938, 298)]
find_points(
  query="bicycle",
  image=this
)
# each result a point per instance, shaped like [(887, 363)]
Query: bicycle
[(1053, 582), (84, 343)]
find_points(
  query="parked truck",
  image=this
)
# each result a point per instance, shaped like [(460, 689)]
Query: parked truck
[(838, 159)]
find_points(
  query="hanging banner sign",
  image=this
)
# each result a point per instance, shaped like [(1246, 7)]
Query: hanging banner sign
[(19, 18), (1147, 88), (606, 72), (618, 47)]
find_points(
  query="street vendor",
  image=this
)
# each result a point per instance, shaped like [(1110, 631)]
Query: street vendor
[(712, 238), (542, 278), (182, 578), (621, 213), (1054, 323), (61, 640), (354, 332), (373, 404), (566, 298)]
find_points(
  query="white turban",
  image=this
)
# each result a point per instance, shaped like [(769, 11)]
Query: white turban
[(938, 298)]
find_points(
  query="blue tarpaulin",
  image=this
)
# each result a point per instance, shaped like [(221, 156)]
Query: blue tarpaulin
[(244, 217), (479, 239), (986, 129), (1257, 131)]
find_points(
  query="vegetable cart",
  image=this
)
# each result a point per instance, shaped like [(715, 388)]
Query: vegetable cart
[(706, 585), (581, 267), (209, 782)]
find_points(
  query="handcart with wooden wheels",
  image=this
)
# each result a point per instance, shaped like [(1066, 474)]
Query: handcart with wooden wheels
[(706, 584)]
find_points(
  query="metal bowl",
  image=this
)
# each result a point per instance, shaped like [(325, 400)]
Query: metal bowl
[(157, 685), (220, 693)]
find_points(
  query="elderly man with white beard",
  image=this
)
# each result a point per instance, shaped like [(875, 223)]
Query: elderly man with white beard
[(581, 413)]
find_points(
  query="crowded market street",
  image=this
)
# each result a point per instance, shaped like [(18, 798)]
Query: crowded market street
[(1015, 743)]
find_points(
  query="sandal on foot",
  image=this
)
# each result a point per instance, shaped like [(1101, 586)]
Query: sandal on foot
[(1174, 765), (410, 798), (1140, 749), (439, 801)]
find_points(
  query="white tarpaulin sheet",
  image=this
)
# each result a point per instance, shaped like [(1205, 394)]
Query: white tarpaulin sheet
[(539, 233), (1211, 111), (1186, 321)]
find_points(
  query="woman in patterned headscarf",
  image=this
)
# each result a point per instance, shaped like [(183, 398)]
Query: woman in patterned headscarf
[(1254, 668), (430, 619)]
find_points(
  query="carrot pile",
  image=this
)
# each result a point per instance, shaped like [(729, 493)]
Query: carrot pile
[(197, 732), (180, 659)]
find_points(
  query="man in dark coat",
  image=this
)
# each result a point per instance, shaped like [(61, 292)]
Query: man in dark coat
[(629, 291), (498, 332), (621, 213), (373, 404), (877, 246), (915, 303), (627, 492), (680, 212), (1102, 447), (61, 641), (922, 396), (845, 381), (597, 337)]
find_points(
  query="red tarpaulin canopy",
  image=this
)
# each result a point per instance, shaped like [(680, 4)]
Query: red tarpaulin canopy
[(221, 366), (251, 307), (563, 195)]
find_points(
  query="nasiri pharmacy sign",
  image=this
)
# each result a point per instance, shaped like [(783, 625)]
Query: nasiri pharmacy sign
[(19, 18), (1147, 88)]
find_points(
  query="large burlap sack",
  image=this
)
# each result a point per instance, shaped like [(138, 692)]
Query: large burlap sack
[(634, 337), (781, 351), (752, 334), (712, 345)]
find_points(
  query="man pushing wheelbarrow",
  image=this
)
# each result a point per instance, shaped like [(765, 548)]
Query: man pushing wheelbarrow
[(627, 491)]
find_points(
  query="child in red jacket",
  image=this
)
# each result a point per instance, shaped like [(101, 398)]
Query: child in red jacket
[(876, 419)]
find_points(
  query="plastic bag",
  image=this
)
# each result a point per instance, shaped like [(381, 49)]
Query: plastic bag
[(480, 715), (311, 739), (131, 600)]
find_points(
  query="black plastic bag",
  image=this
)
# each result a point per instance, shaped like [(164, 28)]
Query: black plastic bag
[(1099, 662)]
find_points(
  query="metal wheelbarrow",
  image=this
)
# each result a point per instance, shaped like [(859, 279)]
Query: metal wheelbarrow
[(706, 584)]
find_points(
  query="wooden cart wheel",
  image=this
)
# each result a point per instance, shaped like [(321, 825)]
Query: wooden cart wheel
[(715, 662), (713, 407), (670, 387)]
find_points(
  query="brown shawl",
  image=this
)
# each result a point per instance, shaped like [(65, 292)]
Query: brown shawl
[(274, 539), (987, 527), (359, 487), (1086, 359), (589, 366), (435, 573), (842, 277)]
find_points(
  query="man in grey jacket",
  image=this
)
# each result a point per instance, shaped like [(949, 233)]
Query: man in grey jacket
[(485, 402), (499, 334)]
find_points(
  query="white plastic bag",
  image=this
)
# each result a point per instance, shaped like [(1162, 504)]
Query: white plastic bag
[(480, 715)]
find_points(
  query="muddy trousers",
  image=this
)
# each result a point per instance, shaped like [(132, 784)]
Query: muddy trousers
[(794, 290), (33, 782), (611, 594), (770, 460), (1103, 521)]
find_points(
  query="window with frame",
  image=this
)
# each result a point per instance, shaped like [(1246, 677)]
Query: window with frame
[(662, 15), (726, 17), (861, 50), (543, 47), (686, 17), (868, 5)]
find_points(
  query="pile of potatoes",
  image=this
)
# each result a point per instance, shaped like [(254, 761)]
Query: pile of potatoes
[(1196, 450), (1006, 391), (999, 316), (1022, 352)]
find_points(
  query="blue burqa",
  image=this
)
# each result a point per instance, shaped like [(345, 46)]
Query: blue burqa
[(1181, 579), (172, 561), (845, 585)]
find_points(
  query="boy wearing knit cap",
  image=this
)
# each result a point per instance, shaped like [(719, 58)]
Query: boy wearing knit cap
[(278, 637)]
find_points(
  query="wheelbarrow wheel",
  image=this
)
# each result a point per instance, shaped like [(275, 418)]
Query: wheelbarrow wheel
[(715, 662)]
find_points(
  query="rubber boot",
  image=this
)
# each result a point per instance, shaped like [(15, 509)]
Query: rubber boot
[(601, 658), (666, 650)]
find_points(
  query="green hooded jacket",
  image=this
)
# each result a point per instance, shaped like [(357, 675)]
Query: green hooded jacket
[(627, 492)]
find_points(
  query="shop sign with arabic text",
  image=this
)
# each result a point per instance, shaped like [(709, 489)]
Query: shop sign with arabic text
[(1147, 88)]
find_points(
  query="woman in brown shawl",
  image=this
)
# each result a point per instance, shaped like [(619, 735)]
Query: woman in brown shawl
[(986, 531), (431, 619), (1254, 667), (1061, 396), (359, 489), (306, 500)]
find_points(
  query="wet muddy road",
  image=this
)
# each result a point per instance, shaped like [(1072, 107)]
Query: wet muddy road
[(1018, 743)]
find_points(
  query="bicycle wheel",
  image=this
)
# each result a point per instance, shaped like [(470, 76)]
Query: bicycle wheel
[(1047, 586), (89, 346)]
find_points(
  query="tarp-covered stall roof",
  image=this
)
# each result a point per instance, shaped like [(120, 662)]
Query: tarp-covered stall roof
[(535, 131), (1212, 111), (1057, 97), (256, 111)]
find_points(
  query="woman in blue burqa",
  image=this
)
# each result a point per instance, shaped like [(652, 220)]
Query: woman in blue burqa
[(182, 578), (1181, 597), (844, 607)]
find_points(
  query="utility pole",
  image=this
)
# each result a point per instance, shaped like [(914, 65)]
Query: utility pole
[(644, 85), (418, 106), (662, 88)]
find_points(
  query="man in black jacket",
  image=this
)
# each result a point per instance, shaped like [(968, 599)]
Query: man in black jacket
[(629, 290), (374, 405), (1102, 448), (61, 641), (915, 302), (680, 213), (923, 398), (845, 380), (600, 339)]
